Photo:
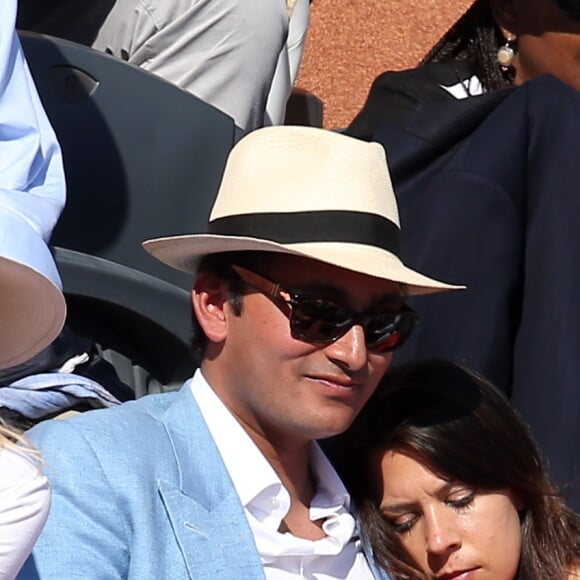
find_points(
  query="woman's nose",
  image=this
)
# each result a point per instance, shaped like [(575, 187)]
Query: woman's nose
[(443, 532)]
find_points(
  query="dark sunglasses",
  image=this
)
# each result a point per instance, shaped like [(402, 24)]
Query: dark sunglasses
[(321, 320)]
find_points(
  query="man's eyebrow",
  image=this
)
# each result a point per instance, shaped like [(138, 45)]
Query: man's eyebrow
[(332, 291), (316, 289), (319, 288), (393, 296)]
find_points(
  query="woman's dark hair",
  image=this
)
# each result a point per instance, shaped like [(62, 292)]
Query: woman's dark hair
[(475, 37), (462, 427), (220, 265)]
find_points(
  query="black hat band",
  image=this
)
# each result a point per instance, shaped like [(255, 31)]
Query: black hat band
[(313, 226)]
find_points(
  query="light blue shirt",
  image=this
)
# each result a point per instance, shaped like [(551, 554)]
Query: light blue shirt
[(32, 185)]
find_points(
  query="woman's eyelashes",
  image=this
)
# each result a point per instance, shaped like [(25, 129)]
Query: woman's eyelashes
[(404, 524), (461, 500), (458, 500)]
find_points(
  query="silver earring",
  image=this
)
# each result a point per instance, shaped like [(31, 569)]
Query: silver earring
[(506, 54)]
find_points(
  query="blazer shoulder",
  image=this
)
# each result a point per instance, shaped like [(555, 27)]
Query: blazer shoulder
[(106, 430), (395, 95)]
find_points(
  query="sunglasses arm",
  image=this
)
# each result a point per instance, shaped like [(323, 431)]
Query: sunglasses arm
[(260, 283)]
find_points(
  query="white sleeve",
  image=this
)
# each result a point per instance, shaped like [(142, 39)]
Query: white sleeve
[(24, 506)]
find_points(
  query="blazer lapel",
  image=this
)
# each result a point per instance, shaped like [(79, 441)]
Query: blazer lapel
[(206, 515), (215, 543)]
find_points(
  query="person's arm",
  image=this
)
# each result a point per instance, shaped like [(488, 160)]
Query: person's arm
[(222, 51), (288, 63), (32, 186), (85, 535), (24, 505)]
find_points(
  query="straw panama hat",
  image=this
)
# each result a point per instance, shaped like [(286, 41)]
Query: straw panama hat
[(307, 192), (32, 307)]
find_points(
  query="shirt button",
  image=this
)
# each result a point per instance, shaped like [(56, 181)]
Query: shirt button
[(274, 503)]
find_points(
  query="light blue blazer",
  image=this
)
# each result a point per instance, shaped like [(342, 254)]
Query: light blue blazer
[(140, 492)]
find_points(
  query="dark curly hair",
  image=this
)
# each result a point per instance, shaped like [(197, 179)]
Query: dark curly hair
[(475, 37)]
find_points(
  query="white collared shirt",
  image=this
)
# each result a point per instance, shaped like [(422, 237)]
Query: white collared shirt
[(468, 88), (266, 503)]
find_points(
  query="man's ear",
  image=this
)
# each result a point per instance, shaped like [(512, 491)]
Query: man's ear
[(506, 17), (209, 298)]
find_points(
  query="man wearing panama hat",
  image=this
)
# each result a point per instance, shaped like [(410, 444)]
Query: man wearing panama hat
[(298, 294)]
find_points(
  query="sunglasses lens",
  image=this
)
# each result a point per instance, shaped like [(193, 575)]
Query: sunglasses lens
[(389, 331), (319, 320)]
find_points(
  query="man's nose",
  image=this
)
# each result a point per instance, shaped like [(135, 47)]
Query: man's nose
[(350, 350)]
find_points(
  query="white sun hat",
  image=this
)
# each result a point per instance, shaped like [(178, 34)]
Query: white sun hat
[(307, 192)]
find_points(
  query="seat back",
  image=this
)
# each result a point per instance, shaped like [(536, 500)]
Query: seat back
[(142, 157), (141, 323)]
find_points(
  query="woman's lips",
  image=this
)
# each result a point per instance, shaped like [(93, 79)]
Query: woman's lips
[(467, 574)]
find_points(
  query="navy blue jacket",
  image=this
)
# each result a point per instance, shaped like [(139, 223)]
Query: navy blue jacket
[(489, 196)]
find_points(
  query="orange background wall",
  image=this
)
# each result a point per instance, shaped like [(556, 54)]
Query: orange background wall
[(351, 41)]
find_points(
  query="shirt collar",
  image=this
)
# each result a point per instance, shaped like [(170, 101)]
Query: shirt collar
[(249, 470), (469, 87)]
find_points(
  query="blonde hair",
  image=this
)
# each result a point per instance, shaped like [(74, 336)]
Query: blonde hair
[(12, 437)]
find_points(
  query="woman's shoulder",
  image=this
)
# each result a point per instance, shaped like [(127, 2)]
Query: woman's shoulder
[(395, 95), (426, 77)]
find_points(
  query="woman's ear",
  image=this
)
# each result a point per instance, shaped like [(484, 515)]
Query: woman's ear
[(210, 299), (506, 17)]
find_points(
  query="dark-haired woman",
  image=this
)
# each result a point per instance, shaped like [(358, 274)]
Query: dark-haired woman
[(496, 44), (450, 484)]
